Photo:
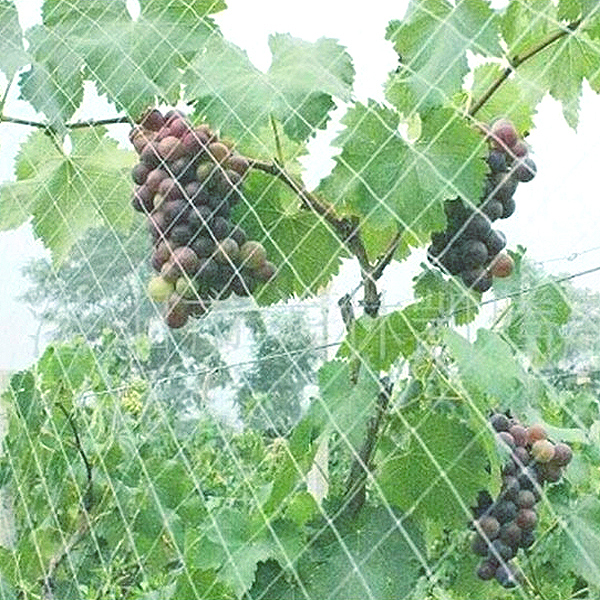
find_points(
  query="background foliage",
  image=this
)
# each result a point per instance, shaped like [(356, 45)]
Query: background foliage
[(333, 476)]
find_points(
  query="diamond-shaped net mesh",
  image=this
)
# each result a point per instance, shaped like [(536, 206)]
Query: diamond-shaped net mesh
[(356, 413)]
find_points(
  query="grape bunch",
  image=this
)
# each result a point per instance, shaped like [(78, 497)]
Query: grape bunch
[(187, 181), (469, 247), (507, 524)]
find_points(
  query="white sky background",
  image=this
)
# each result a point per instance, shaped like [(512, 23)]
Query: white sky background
[(557, 213)]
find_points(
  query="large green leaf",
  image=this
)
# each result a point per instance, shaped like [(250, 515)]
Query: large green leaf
[(133, 62), (344, 405), (298, 89), (306, 251), (440, 472), (379, 342), (12, 53), (384, 180), (66, 194), (487, 366), (432, 42), (581, 539)]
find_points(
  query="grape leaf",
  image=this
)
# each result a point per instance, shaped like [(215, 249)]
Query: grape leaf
[(488, 365), (150, 52), (440, 472), (54, 82), (383, 179), (298, 89), (379, 556), (526, 24), (571, 10), (68, 194), (379, 342), (561, 68), (345, 406), (581, 538), (516, 98), (301, 244), (432, 42), (446, 297), (12, 53), (236, 542)]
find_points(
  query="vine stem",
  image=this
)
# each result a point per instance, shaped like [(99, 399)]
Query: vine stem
[(517, 61), (74, 125)]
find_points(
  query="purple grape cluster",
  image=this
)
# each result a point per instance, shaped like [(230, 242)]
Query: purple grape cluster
[(187, 181), (469, 247), (506, 524)]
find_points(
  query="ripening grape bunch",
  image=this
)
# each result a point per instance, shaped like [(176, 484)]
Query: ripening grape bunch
[(506, 524), (469, 247), (187, 181)]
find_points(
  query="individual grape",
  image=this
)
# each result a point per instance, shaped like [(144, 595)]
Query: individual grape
[(170, 148), (170, 271), (502, 266), (525, 499), (150, 156), (152, 120), (203, 246), (504, 511), (161, 255), (499, 422), (493, 209), (139, 173), (478, 279), (143, 199), (179, 127), (526, 519), (239, 235), (504, 187), (173, 114), (479, 546), (159, 289), (154, 179), (506, 438), (527, 539), (524, 169), (208, 271), (196, 194), (562, 455), (177, 312), (220, 228), (180, 235), (511, 488), (550, 472), (170, 189), (488, 526), (266, 272), (187, 288), (253, 255), (503, 134), (506, 576), (519, 434), (527, 478), (474, 254), (227, 251), (186, 259), (509, 206), (218, 151), (521, 456), (510, 534), (542, 451), (477, 226), (156, 226), (497, 161), (536, 432), (239, 164), (183, 170), (486, 570), (500, 551)]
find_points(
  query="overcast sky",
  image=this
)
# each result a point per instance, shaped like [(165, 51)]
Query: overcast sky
[(557, 214)]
